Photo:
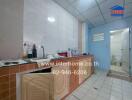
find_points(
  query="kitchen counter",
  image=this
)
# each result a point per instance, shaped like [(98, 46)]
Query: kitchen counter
[(21, 62), (35, 60), (8, 75), (8, 78), (9, 63), (45, 83)]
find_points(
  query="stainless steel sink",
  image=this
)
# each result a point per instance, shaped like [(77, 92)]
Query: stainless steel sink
[(12, 62), (8, 63)]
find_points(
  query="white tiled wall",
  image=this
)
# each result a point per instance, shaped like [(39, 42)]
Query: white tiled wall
[(11, 28), (60, 35)]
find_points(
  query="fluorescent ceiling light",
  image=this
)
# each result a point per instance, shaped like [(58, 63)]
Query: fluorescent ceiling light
[(112, 31), (51, 19)]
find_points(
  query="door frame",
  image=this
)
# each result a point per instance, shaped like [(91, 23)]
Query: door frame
[(130, 50)]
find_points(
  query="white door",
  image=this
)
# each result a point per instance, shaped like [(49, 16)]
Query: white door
[(125, 50)]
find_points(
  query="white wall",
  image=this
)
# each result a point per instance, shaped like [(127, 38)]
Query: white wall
[(84, 38), (80, 37), (11, 28), (60, 35)]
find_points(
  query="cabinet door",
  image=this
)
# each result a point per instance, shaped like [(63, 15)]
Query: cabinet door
[(87, 68), (90, 62), (37, 87), (31, 66), (61, 81), (4, 87), (83, 68), (74, 77)]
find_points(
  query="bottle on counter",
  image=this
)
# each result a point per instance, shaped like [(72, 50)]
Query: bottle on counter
[(29, 50), (24, 51), (69, 52), (29, 54), (34, 51)]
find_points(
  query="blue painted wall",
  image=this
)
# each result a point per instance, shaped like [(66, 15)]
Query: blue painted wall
[(101, 50)]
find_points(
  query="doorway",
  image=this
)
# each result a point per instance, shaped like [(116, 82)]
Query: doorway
[(120, 51)]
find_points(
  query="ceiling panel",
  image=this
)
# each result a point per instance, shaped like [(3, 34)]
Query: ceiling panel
[(83, 5), (127, 14), (73, 11), (71, 1), (110, 18), (108, 4), (91, 13), (62, 3), (65, 5), (101, 1), (88, 11), (97, 20), (128, 8), (128, 1)]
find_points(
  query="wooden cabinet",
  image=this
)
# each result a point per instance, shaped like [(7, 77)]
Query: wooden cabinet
[(57, 83), (4, 87), (37, 87), (4, 83), (52, 85), (8, 80), (26, 67), (85, 69), (74, 77), (61, 81), (31, 66), (82, 68)]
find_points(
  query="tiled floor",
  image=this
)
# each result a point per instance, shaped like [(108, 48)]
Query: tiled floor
[(117, 68), (101, 87)]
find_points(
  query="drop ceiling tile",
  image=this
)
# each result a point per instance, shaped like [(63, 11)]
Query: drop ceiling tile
[(127, 14), (101, 1), (128, 1), (66, 5), (106, 6), (90, 25), (97, 20), (62, 3), (91, 13), (110, 18), (73, 11), (71, 1), (128, 8), (83, 5)]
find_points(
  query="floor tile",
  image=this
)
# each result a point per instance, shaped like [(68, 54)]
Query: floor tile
[(71, 98), (101, 87)]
